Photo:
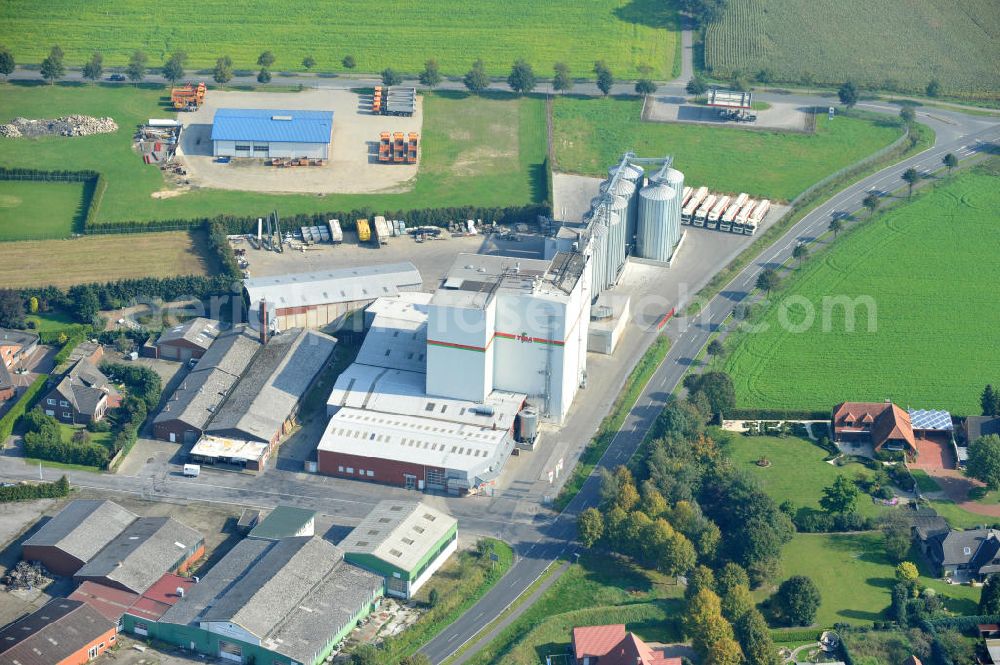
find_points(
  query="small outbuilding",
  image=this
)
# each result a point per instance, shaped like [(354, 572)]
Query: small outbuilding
[(266, 133), (187, 340)]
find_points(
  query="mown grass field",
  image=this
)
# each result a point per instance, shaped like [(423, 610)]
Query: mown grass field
[(797, 472), (477, 151), (33, 210), (855, 578), (391, 33), (592, 134), (100, 259), (926, 267), (900, 44)]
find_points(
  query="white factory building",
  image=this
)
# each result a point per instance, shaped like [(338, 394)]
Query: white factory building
[(518, 325)]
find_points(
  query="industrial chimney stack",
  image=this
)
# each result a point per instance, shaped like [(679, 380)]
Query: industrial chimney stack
[(263, 322)]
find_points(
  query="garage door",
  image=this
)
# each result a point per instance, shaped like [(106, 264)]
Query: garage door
[(168, 352), (230, 651)]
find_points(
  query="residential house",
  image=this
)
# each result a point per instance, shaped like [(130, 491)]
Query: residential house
[(977, 426), (612, 645), (82, 395), (15, 346), (882, 424), (970, 554), (63, 632)]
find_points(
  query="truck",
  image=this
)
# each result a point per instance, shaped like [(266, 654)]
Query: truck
[(364, 231), (701, 215), (192, 470), (691, 206), (336, 233), (726, 222), (712, 221), (382, 230), (743, 218), (686, 195), (756, 217)]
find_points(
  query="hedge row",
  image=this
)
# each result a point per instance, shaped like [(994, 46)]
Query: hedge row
[(35, 491), (38, 174), (795, 635), (11, 417), (776, 414), (97, 186)]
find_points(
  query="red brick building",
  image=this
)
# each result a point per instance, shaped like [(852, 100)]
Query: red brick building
[(63, 632)]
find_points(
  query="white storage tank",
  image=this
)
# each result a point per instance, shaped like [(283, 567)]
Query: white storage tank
[(618, 239), (659, 222), (628, 190), (598, 258), (632, 172)]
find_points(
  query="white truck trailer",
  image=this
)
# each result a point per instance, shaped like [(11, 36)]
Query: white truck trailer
[(336, 233), (687, 214), (726, 221), (701, 215), (756, 218), (712, 221)]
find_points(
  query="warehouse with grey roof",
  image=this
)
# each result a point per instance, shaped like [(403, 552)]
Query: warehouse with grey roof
[(76, 534)]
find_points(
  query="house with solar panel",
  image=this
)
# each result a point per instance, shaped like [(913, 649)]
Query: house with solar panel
[(267, 134)]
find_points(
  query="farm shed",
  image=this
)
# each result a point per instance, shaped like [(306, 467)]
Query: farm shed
[(266, 133), (187, 340), (63, 632), (404, 541), (76, 534)]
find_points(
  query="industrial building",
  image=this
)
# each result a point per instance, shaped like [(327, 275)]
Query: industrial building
[(142, 553), (288, 601), (63, 632), (267, 134), (124, 608), (187, 340), (285, 522), (403, 541), (76, 534), (315, 300)]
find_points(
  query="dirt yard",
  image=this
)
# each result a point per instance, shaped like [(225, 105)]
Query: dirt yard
[(352, 167)]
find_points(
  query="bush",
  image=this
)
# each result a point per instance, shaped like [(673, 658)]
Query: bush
[(21, 407), (30, 492)]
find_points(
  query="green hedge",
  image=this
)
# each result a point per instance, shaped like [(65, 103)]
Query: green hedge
[(11, 417), (796, 635), (74, 340), (97, 186), (34, 491), (776, 414)]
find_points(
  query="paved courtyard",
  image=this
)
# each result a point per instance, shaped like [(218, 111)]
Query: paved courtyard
[(780, 115)]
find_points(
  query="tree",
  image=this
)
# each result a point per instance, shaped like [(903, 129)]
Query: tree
[(365, 654), (522, 77), (95, 67), (415, 659), (989, 401), (797, 600), (614, 528), (736, 602), (590, 527), (835, 225), (755, 639), (81, 437), (308, 62), (907, 572), (562, 81), (136, 69), (724, 651), (848, 94), (33, 305), (431, 76), (933, 88), (652, 502), (673, 555), (989, 601), (173, 68), (701, 607), (349, 62), (264, 75), (701, 577), (11, 309), (6, 62), (476, 79), (52, 67), (391, 77), (871, 203), (732, 575), (645, 87), (83, 302), (605, 79), (433, 597), (696, 86), (907, 115), (223, 71), (767, 280), (715, 349), (910, 177), (840, 497), (896, 535), (265, 59), (717, 387), (124, 344), (951, 161), (984, 460), (800, 252)]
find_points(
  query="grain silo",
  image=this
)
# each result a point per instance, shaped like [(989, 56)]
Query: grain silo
[(598, 257), (618, 239), (631, 172), (628, 190), (675, 181), (659, 222)]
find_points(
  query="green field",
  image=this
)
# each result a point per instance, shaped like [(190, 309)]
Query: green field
[(401, 34), (39, 210), (477, 151), (591, 134), (926, 266), (855, 578), (893, 44), (797, 472)]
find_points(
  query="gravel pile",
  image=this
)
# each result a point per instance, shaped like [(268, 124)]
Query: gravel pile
[(70, 125)]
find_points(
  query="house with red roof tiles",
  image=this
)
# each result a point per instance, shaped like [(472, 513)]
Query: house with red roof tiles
[(613, 645), (882, 424)]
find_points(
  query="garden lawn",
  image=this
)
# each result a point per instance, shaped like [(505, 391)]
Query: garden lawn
[(100, 438), (855, 578), (599, 589), (37, 210), (401, 34), (797, 472), (484, 151), (924, 482), (591, 134), (925, 268)]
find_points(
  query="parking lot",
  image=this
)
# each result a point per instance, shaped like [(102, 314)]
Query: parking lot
[(352, 167), (790, 117)]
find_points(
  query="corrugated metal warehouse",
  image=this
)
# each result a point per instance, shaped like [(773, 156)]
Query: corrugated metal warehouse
[(315, 300), (76, 534), (265, 133), (187, 340)]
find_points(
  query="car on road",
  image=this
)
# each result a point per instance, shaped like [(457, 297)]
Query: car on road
[(116, 77)]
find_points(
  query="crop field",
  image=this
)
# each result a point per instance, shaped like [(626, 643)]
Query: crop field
[(926, 324), (592, 134), (893, 44), (477, 151), (402, 34), (100, 259), (36, 210)]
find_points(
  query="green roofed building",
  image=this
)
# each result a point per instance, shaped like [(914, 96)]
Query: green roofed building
[(285, 522), (404, 541)]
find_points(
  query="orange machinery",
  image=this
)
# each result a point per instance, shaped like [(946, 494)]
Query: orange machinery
[(398, 148), (385, 147), (377, 100), (188, 97), (411, 154)]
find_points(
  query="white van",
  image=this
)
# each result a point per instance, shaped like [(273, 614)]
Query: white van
[(192, 470)]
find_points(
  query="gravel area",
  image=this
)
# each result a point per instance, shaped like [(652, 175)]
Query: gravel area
[(70, 125)]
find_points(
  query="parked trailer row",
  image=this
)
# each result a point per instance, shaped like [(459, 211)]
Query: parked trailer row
[(739, 214), (691, 204)]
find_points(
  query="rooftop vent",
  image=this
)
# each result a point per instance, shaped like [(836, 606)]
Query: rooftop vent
[(281, 117)]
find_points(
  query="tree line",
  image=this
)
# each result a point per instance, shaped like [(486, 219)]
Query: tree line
[(32, 491)]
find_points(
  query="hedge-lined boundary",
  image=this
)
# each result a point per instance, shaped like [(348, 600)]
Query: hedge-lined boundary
[(30, 492), (11, 417), (776, 414), (95, 184)]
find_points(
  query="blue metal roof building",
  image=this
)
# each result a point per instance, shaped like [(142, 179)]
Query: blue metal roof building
[(264, 133)]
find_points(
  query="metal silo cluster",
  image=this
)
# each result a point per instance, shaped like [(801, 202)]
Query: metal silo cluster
[(659, 220)]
